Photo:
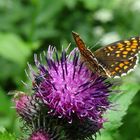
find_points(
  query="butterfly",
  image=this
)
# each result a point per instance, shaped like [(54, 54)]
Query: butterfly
[(114, 60)]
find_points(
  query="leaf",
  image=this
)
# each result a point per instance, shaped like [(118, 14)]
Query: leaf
[(2, 129), (70, 3), (104, 136), (7, 136), (91, 4), (9, 70), (4, 102), (47, 10), (13, 48), (7, 113), (122, 100)]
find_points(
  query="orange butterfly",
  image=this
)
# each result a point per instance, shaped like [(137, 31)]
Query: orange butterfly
[(114, 60)]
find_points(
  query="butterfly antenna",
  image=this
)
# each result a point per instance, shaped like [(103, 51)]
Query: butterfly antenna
[(68, 47), (98, 42)]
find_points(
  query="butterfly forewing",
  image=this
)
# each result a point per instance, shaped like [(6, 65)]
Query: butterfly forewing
[(120, 50), (87, 56)]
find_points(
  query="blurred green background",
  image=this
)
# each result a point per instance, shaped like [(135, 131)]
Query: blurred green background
[(29, 26)]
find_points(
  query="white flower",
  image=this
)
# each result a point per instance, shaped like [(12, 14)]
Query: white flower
[(109, 38), (103, 15), (98, 31), (135, 5)]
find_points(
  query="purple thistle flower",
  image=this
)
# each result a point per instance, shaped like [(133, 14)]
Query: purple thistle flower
[(39, 135), (64, 90), (69, 89), (20, 100), (27, 106), (36, 120)]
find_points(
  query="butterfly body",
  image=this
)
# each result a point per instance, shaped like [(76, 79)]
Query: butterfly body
[(114, 60)]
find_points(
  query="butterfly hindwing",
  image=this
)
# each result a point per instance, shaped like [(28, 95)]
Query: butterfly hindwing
[(120, 68), (123, 67)]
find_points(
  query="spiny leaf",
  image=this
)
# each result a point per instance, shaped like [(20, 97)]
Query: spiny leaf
[(122, 101)]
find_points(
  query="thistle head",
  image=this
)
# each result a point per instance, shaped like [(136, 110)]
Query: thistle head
[(68, 93), (69, 89)]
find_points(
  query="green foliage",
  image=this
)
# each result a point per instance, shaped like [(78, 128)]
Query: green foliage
[(29, 26), (122, 102), (7, 136), (18, 49), (7, 113), (132, 121)]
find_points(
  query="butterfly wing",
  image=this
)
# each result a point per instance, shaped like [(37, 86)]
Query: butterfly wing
[(120, 50), (120, 68), (120, 57), (87, 56), (113, 60)]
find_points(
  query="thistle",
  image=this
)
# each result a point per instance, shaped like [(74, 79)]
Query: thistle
[(66, 92)]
